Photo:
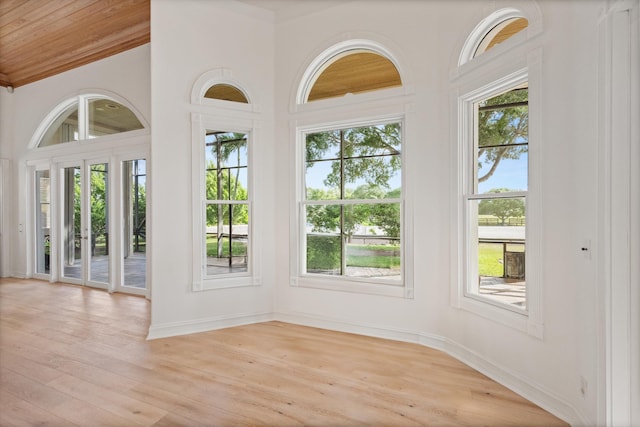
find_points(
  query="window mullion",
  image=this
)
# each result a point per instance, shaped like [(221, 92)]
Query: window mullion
[(343, 254)]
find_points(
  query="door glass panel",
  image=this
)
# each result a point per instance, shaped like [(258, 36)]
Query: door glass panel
[(71, 231), (99, 222), (43, 222), (134, 223)]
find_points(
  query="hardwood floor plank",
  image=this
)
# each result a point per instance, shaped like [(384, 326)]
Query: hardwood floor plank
[(18, 412), (134, 411), (60, 404), (81, 356)]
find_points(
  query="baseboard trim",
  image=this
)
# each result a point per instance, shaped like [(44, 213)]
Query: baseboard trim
[(165, 330)]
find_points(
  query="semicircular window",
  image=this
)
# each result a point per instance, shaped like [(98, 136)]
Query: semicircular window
[(501, 32), (226, 92), (89, 118), (353, 72)]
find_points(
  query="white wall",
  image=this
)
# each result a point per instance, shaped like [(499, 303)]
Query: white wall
[(6, 193), (426, 35), (189, 39)]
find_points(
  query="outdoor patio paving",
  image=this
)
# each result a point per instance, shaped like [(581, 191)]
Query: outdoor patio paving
[(508, 291), (134, 270)]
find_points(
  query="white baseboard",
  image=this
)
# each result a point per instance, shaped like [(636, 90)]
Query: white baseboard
[(202, 325), (535, 393)]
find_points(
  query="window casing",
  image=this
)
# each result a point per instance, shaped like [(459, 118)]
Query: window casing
[(480, 78), (349, 196), (352, 203), (495, 197), (223, 136)]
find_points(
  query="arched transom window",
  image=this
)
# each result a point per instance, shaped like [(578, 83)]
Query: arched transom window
[(354, 72), (88, 117), (226, 92), (349, 68)]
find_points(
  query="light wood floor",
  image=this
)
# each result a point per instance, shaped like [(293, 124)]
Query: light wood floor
[(74, 356)]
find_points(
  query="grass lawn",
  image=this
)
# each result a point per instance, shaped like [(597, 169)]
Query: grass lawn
[(373, 261), (373, 256), (239, 247), (489, 255)]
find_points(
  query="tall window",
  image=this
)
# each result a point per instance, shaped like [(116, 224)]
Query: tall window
[(496, 197), (497, 271), (225, 129), (352, 202), (226, 216), (351, 232)]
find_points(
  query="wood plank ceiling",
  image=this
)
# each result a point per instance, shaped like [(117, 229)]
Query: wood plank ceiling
[(41, 38)]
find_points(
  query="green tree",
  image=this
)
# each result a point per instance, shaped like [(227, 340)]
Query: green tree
[(503, 123), (502, 208), (228, 150), (225, 187), (329, 218), (372, 153)]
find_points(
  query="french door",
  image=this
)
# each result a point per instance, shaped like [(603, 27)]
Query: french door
[(84, 223), (90, 223)]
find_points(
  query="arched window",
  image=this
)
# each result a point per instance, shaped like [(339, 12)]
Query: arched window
[(501, 32), (351, 198), (87, 117), (354, 72), (498, 158), (351, 67), (500, 26), (222, 182), (226, 92)]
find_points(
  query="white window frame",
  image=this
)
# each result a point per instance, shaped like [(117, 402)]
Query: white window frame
[(299, 277), (479, 82), (470, 194), (201, 281)]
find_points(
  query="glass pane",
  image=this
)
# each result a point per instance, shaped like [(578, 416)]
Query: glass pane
[(134, 205), (227, 238), (324, 253), (323, 218), (63, 129), (107, 117), (99, 219), (375, 140), (354, 73), (226, 92), (323, 145), (43, 222), (503, 138), (322, 181), (373, 240), (500, 250), (501, 32), (371, 177), (502, 169), (72, 233), (504, 119), (226, 173)]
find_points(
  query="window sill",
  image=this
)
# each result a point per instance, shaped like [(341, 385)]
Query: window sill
[(359, 286), (512, 317), (226, 282)]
